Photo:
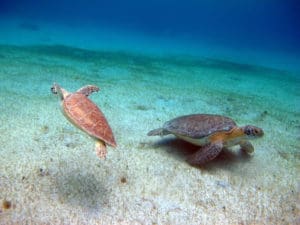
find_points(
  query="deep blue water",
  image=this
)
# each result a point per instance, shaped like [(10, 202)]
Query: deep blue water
[(266, 25)]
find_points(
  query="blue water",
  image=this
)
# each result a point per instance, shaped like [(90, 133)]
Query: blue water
[(264, 32)]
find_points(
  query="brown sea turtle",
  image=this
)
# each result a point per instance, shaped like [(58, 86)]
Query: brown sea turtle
[(211, 132), (85, 115)]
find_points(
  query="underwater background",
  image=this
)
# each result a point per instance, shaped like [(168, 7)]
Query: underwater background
[(153, 61)]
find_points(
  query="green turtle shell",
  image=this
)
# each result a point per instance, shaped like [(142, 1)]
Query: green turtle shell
[(198, 126)]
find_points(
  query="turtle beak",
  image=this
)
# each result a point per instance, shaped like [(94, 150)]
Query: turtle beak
[(258, 132), (261, 132)]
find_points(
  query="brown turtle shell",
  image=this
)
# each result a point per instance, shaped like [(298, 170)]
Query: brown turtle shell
[(198, 125), (84, 114)]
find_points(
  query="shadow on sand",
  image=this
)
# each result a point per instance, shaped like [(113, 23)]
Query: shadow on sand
[(81, 189), (181, 150)]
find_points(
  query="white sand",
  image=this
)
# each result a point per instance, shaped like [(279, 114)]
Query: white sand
[(51, 175)]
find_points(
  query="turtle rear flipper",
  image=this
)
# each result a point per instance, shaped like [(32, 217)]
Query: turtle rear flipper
[(205, 154), (158, 132)]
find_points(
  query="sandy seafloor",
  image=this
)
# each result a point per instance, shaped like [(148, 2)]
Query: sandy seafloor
[(51, 175)]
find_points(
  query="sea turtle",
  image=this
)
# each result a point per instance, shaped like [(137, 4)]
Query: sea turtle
[(211, 132), (85, 115)]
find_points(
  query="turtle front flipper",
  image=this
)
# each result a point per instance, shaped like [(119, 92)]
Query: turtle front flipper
[(247, 147), (205, 154), (88, 89), (100, 148)]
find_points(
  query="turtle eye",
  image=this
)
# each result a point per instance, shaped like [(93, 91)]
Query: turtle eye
[(53, 90)]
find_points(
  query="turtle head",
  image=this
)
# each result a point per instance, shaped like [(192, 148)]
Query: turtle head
[(54, 88), (252, 131), (57, 90)]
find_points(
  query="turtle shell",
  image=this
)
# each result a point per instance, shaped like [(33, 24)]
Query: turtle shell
[(198, 125), (84, 114)]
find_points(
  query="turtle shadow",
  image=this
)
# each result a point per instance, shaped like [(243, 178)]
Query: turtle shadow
[(180, 150), (177, 148), (81, 189), (227, 160)]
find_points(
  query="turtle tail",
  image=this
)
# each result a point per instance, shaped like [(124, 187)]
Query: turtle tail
[(158, 132)]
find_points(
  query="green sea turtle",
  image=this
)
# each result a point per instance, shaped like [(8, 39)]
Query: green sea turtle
[(211, 132), (85, 115)]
